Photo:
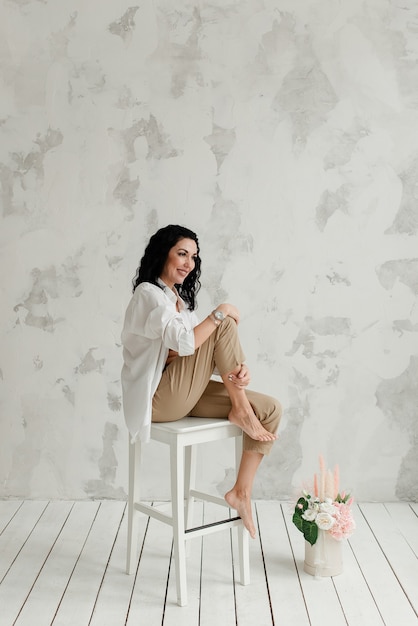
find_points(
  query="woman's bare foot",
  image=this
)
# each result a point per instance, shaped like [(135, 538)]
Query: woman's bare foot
[(243, 506), (249, 423)]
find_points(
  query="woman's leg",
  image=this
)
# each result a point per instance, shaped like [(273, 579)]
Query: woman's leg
[(186, 389), (185, 380), (242, 413), (239, 497), (215, 402)]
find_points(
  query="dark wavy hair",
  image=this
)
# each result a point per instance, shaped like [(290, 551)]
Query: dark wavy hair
[(155, 256)]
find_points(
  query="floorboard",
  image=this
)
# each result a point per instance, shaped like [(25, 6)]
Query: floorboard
[(398, 552), (281, 576), (115, 593), (252, 601), (388, 594), (358, 603), (149, 592), (404, 519), (175, 615), (78, 602), (22, 576), (53, 579), (217, 574), (17, 532), (7, 511), (63, 563)]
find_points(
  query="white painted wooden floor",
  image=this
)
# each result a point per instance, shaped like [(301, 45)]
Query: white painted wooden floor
[(62, 563)]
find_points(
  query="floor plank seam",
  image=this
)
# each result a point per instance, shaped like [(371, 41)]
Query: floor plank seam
[(75, 565), (295, 565), (12, 518), (264, 567), (234, 581), (135, 577), (45, 560), (24, 543), (107, 564), (388, 561), (366, 581)]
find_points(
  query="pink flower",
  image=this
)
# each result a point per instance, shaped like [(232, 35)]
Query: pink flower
[(344, 523)]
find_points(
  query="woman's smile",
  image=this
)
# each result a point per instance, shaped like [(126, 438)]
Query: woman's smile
[(180, 262)]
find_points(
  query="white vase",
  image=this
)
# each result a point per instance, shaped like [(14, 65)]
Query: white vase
[(325, 557)]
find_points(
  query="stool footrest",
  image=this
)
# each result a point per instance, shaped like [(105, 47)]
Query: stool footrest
[(154, 512), (212, 527), (201, 495), (168, 519)]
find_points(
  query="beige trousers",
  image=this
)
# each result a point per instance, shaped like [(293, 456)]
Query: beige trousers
[(186, 389)]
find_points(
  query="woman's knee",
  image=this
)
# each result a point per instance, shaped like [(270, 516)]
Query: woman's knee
[(273, 413), (277, 409), (228, 326)]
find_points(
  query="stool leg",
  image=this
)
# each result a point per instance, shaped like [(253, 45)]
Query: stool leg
[(133, 496), (243, 534), (177, 500), (244, 556), (189, 483)]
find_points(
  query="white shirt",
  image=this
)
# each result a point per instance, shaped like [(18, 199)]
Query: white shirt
[(152, 327)]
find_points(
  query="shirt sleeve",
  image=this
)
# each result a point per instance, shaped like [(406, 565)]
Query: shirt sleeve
[(155, 317), (194, 319)]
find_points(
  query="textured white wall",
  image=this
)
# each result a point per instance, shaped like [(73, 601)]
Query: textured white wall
[(286, 134)]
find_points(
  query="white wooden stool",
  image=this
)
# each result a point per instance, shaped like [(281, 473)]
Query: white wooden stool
[(182, 437)]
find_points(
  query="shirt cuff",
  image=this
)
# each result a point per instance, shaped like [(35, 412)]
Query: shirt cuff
[(186, 343)]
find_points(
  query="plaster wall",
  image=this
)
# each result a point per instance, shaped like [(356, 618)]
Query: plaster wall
[(286, 134)]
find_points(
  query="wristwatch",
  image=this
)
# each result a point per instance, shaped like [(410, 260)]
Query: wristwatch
[(217, 317)]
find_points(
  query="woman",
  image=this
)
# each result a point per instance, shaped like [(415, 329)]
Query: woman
[(169, 358)]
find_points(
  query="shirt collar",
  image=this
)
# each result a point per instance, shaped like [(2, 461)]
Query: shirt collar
[(172, 294)]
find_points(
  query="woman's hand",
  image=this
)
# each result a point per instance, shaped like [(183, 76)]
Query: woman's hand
[(242, 378), (171, 356)]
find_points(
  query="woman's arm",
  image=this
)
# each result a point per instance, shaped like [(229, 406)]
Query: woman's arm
[(204, 330)]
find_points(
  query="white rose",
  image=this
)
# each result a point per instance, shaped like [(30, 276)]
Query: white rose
[(324, 521), (309, 515), (327, 507)]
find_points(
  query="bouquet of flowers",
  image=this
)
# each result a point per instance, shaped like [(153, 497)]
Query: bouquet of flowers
[(324, 509)]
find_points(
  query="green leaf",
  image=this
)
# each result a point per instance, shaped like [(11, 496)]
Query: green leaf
[(298, 521), (301, 506), (310, 532)]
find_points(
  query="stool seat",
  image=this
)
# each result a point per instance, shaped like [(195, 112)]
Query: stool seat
[(183, 436), (209, 428)]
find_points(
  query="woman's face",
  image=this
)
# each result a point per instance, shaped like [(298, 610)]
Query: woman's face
[(180, 262)]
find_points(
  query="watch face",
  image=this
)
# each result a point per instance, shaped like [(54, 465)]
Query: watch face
[(219, 315)]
